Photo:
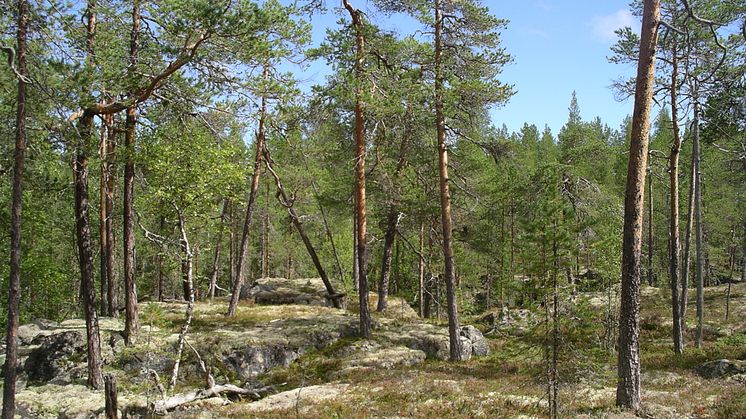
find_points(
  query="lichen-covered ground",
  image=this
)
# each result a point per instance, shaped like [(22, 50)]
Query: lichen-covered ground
[(509, 382), (345, 377)]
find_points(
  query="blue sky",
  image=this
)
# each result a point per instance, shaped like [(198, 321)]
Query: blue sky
[(558, 46)]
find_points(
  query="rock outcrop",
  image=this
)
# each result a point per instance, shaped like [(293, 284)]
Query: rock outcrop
[(721, 368)]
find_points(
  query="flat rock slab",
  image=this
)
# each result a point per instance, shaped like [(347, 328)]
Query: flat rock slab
[(299, 398)]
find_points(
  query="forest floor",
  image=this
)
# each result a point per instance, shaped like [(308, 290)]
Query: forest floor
[(328, 378), (510, 381)]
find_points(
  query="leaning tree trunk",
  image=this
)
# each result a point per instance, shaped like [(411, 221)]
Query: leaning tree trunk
[(445, 195), (239, 280), (698, 227), (365, 323), (628, 368), (131, 322), (14, 283), (282, 198), (673, 170), (83, 235)]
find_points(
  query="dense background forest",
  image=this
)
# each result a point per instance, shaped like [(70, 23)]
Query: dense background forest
[(149, 126)]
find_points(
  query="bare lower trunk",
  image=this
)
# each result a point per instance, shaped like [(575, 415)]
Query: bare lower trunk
[(238, 282), (14, 283), (449, 272), (421, 272), (83, 234), (111, 269), (698, 228), (131, 322), (365, 322), (355, 270), (730, 273), (102, 216), (392, 220), (673, 170), (388, 242), (265, 236), (685, 273), (216, 254), (651, 276), (628, 372)]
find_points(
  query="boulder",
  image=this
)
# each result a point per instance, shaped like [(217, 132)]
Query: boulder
[(55, 357), (280, 291), (27, 333), (721, 368), (479, 345)]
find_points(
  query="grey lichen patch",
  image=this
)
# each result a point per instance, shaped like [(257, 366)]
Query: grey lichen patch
[(299, 399)]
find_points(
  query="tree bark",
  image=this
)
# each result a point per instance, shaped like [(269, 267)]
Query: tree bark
[(651, 279), (131, 322), (421, 272), (628, 368), (110, 397), (360, 153), (687, 247), (238, 283), (698, 226), (445, 195), (102, 216), (673, 171), (216, 254), (392, 221), (732, 252), (111, 184), (355, 270), (265, 237), (83, 235), (14, 282)]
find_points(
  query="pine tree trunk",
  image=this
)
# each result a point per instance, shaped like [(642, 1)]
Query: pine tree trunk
[(111, 269), (83, 235), (131, 322), (360, 153), (445, 195), (392, 221), (216, 254), (421, 272), (14, 283), (698, 227), (673, 170), (238, 282), (355, 270), (628, 386), (102, 216), (685, 273), (265, 237), (651, 279), (732, 252)]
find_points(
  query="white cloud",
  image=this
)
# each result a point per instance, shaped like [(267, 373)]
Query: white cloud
[(604, 26)]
